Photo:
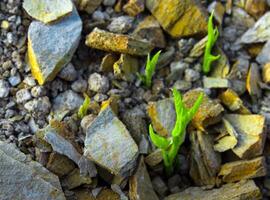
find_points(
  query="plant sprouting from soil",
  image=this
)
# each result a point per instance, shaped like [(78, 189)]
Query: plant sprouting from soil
[(212, 38), (150, 68), (171, 145), (84, 107)]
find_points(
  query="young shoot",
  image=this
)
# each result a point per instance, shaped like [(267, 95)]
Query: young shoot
[(212, 38), (150, 68), (170, 146), (84, 107)]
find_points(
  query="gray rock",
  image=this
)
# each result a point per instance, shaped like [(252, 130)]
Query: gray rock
[(46, 10), (79, 85), (182, 85), (40, 105), (66, 102), (211, 82), (109, 144), (177, 70), (4, 89), (260, 32), (24, 179), (23, 95), (98, 16), (98, 83), (264, 56), (109, 2), (191, 75), (68, 73), (86, 121), (121, 24), (51, 47), (38, 91), (14, 80), (29, 81), (159, 186)]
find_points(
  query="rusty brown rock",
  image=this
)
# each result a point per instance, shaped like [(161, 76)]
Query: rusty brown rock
[(134, 7), (107, 63), (205, 162), (253, 80), (154, 158), (140, 186), (266, 73), (231, 100), (250, 129), (88, 6), (243, 169), (243, 190), (174, 16), (256, 8), (74, 179), (119, 43)]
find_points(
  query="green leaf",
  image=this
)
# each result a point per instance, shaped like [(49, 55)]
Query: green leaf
[(158, 141), (192, 111), (84, 107)]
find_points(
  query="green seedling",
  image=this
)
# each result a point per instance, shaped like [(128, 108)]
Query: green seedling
[(212, 38), (170, 145), (84, 107), (150, 68)]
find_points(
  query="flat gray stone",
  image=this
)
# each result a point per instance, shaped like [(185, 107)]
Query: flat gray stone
[(50, 47), (47, 10), (109, 144), (264, 56), (23, 179), (260, 32)]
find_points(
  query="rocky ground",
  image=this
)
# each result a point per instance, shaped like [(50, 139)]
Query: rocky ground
[(52, 53)]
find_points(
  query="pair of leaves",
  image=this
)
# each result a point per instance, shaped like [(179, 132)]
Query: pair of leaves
[(159, 141), (84, 107), (212, 38), (150, 68)]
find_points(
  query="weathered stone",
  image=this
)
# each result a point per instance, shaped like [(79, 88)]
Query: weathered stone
[(134, 7), (264, 56), (177, 23), (260, 32), (154, 158), (74, 179), (126, 67), (112, 102), (205, 162), (218, 10), (120, 24), (159, 186), (177, 70), (222, 65), (208, 113), (256, 8), (251, 135), (50, 47), (140, 186), (23, 95), (4, 89), (24, 179), (47, 11), (84, 194), (98, 83), (198, 49), (107, 63), (68, 73), (232, 191), (59, 164), (211, 82), (266, 73), (119, 43), (253, 80), (150, 30), (239, 69), (228, 139), (88, 6), (241, 18), (231, 100), (243, 169), (109, 144), (107, 194)]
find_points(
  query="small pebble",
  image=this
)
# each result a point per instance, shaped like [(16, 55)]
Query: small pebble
[(98, 83), (4, 89), (68, 73), (23, 95)]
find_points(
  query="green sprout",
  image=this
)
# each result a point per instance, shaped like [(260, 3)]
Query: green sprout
[(150, 68), (170, 146), (84, 107), (212, 38)]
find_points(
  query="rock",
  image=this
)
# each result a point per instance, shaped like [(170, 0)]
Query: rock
[(112, 102), (250, 129), (243, 169), (242, 18), (4, 88), (208, 113), (98, 83), (98, 16), (68, 73), (198, 49), (40, 105), (38, 91), (256, 8), (107, 41), (19, 174), (120, 24), (222, 65), (264, 56), (57, 41), (154, 158), (108, 2), (227, 139), (134, 7), (236, 191), (218, 9), (134, 119), (182, 85), (47, 11), (178, 23), (159, 186), (205, 162), (59, 164), (239, 70), (126, 67), (140, 186), (109, 144), (107, 63), (14, 80), (79, 85), (109, 194), (260, 32), (23, 95), (74, 179), (150, 30), (88, 6), (266, 73), (231, 100), (253, 81), (30, 81), (211, 82), (177, 70), (66, 102)]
